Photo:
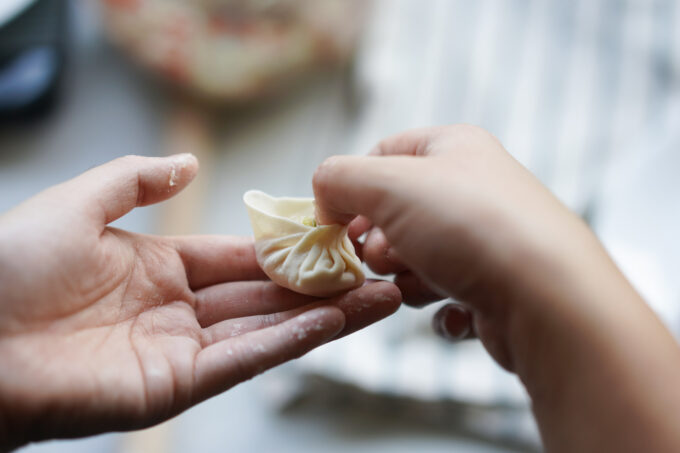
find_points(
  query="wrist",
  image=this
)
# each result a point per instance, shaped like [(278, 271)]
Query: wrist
[(534, 289), (593, 357), (567, 295)]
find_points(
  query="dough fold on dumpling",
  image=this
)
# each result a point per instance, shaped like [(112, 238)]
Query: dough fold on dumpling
[(314, 260)]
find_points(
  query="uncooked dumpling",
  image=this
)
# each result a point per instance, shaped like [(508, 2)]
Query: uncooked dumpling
[(295, 252)]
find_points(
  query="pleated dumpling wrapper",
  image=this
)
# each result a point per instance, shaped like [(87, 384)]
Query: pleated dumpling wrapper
[(298, 254)]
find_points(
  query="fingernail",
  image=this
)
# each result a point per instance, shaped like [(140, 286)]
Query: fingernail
[(391, 255), (183, 159), (179, 163), (452, 323)]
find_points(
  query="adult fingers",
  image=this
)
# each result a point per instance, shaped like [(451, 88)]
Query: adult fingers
[(368, 304), (210, 260), (110, 191), (415, 292), (224, 364), (239, 326), (237, 308), (454, 322), (361, 307), (240, 299)]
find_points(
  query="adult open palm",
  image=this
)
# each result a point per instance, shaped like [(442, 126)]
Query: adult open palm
[(103, 329)]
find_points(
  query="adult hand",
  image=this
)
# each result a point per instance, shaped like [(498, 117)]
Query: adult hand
[(102, 329), (454, 215)]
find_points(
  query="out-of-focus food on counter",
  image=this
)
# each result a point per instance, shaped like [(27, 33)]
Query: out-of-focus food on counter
[(235, 49), (297, 253)]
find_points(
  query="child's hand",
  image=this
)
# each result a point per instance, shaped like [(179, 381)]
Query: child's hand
[(102, 329), (453, 214)]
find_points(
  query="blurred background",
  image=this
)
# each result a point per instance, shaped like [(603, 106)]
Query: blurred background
[(585, 93)]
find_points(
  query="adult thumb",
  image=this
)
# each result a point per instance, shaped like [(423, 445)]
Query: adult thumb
[(113, 189)]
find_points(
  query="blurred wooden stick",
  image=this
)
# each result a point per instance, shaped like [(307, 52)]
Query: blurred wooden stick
[(189, 130)]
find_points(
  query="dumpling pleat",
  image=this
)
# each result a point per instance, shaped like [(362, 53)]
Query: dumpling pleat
[(318, 261)]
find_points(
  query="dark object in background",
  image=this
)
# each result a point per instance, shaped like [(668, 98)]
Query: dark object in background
[(32, 54)]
